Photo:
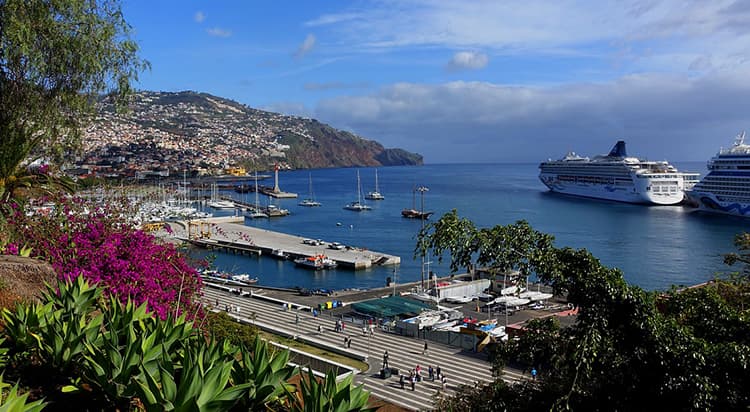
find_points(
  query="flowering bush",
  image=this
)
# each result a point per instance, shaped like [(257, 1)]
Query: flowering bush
[(103, 248)]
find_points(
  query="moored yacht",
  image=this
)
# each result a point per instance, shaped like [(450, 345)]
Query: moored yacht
[(617, 176), (726, 187)]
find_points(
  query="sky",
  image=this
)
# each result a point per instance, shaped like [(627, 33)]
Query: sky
[(473, 80)]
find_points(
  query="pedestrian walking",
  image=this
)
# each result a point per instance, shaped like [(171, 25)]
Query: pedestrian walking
[(424, 351), (413, 382), (349, 344), (437, 372), (372, 330), (444, 381), (364, 330), (385, 359), (431, 373), (217, 302), (401, 381), (533, 373), (346, 340), (320, 328), (343, 326)]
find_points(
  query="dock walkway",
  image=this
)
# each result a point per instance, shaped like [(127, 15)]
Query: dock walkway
[(460, 367), (227, 233)]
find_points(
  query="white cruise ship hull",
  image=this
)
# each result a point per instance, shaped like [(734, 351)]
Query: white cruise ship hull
[(640, 192), (708, 202)]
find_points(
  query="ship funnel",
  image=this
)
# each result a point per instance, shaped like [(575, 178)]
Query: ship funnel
[(618, 150)]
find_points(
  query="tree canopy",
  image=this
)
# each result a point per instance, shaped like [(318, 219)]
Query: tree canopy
[(56, 58), (628, 349)]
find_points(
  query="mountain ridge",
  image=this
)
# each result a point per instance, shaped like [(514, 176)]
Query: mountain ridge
[(193, 129)]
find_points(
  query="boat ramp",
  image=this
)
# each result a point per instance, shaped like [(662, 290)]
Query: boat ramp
[(229, 234)]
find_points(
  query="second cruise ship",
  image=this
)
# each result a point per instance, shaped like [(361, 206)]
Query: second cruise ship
[(726, 187), (618, 177)]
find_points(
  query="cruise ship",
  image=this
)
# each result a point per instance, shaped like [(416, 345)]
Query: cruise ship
[(726, 187), (618, 177)]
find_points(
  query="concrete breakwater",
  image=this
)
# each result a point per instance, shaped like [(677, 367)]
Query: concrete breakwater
[(229, 234)]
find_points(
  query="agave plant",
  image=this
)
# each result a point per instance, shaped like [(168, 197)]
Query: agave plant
[(132, 340), (266, 372), (68, 325), (201, 383), (21, 327), (328, 395), (13, 402)]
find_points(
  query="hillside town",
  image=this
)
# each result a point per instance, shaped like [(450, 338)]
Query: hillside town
[(164, 133)]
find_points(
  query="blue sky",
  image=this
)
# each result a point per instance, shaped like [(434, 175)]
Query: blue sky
[(470, 81)]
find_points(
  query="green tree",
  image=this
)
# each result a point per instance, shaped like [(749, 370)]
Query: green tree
[(56, 58), (628, 349)]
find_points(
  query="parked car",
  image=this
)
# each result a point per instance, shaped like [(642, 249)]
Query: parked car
[(322, 292), (337, 246)]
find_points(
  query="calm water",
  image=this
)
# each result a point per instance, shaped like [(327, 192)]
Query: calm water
[(655, 247)]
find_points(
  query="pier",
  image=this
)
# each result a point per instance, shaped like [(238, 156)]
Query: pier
[(229, 234)]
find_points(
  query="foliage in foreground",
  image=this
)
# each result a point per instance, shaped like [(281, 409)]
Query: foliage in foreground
[(628, 350), (78, 347), (56, 58), (104, 248)]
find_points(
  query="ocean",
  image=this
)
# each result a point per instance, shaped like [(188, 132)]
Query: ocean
[(654, 246)]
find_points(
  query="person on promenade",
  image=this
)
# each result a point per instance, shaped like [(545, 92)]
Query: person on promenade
[(364, 330), (444, 382), (320, 328), (431, 373), (424, 351), (413, 382), (437, 372), (372, 330), (349, 344), (385, 359), (346, 340), (401, 381), (533, 373)]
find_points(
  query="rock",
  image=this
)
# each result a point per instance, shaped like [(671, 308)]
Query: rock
[(23, 279)]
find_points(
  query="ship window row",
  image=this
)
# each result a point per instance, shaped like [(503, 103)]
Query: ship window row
[(729, 193), (720, 185), (586, 179), (726, 179), (729, 167), (664, 189), (743, 199)]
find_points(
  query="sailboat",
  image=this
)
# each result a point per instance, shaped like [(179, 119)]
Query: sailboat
[(216, 202), (375, 195), (358, 206), (310, 201), (413, 213), (256, 213)]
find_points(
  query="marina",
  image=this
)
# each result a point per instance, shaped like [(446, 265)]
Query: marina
[(655, 247)]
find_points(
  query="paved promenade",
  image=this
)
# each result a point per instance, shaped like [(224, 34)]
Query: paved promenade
[(458, 366)]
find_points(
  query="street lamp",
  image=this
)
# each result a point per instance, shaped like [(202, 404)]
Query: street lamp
[(421, 190)]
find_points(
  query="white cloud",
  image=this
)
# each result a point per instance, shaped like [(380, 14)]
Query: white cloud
[(306, 46), (468, 60), (218, 32), (199, 17), (647, 29), (660, 116)]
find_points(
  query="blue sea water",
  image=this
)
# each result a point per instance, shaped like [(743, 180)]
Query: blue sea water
[(654, 246)]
